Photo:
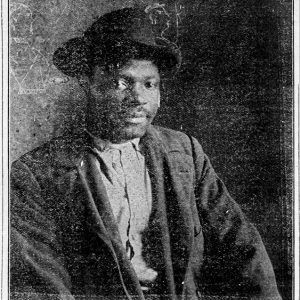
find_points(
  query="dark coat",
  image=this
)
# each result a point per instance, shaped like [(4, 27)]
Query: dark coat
[(64, 239)]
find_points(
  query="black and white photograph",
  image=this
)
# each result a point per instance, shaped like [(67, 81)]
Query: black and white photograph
[(150, 150)]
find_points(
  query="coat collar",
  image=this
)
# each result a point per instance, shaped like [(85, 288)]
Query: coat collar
[(70, 149)]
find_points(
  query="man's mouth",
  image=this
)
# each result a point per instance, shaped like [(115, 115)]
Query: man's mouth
[(136, 117)]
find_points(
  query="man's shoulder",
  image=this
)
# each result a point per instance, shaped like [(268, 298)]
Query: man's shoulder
[(60, 150), (171, 133), (174, 140)]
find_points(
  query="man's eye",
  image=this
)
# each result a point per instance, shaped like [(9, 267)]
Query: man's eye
[(150, 85), (121, 84)]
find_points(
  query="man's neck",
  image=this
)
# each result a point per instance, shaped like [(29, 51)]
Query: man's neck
[(103, 144)]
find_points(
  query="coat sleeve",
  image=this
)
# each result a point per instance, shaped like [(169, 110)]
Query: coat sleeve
[(36, 264), (235, 261)]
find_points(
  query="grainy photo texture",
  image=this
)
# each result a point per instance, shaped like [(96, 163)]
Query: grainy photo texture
[(151, 149)]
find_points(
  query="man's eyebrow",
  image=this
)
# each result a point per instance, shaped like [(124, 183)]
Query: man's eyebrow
[(130, 78), (152, 77)]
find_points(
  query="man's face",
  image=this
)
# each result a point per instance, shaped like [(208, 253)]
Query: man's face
[(123, 102)]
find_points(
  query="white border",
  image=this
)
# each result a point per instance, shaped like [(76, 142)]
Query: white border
[(296, 64), (4, 161), (4, 242)]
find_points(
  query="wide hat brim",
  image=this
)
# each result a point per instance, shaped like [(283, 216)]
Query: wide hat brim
[(76, 56), (114, 39)]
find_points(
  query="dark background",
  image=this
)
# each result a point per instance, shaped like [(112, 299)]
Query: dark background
[(233, 92)]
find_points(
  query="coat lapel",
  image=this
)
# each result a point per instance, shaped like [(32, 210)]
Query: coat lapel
[(170, 171), (155, 156), (102, 216)]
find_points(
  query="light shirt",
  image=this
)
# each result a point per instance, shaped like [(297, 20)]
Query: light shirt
[(128, 187)]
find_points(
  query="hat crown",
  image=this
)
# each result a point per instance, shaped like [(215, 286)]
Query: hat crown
[(125, 24)]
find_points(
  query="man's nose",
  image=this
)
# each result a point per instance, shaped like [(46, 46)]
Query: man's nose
[(136, 94)]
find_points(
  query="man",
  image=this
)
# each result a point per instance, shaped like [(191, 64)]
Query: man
[(125, 209)]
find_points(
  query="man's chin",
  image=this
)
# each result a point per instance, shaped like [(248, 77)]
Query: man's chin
[(130, 132), (119, 133)]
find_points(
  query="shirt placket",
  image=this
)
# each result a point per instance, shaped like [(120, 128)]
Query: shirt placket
[(139, 208)]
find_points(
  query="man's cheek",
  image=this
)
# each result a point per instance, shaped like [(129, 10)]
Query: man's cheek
[(107, 104)]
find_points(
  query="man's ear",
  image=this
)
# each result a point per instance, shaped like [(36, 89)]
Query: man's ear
[(158, 100)]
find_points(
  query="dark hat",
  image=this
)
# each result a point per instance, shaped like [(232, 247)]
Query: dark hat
[(115, 38)]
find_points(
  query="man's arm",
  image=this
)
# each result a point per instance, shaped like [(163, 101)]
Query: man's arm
[(236, 261), (36, 265)]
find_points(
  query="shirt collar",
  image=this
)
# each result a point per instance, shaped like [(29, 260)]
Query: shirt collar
[(105, 145)]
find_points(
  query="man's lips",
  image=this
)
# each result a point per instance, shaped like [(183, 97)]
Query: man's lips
[(136, 117), (136, 114)]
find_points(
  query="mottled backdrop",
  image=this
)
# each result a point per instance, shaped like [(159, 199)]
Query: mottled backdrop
[(233, 92)]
